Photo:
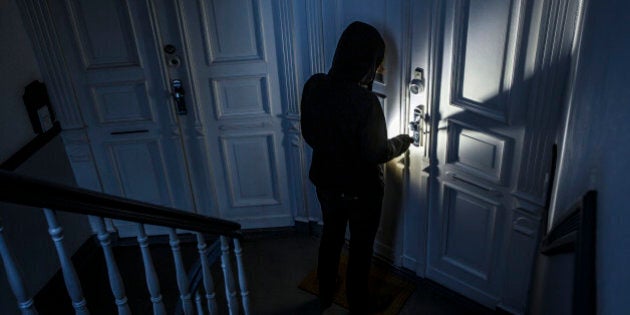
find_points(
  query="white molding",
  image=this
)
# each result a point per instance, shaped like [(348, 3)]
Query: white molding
[(314, 20), (463, 288), (46, 44), (544, 115), (284, 20), (568, 110), (526, 205), (409, 263), (79, 151), (293, 144), (405, 62), (434, 75), (301, 219)]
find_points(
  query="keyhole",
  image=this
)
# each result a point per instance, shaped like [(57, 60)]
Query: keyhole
[(170, 49)]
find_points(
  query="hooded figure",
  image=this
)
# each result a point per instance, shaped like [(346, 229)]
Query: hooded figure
[(343, 122)]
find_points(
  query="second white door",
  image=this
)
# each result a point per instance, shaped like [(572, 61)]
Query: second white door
[(224, 157)]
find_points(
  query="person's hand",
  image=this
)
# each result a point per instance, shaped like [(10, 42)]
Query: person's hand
[(405, 140)]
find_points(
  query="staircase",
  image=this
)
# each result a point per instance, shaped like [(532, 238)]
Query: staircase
[(175, 274)]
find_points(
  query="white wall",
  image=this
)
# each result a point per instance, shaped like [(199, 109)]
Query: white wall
[(597, 146), (25, 227), (17, 68)]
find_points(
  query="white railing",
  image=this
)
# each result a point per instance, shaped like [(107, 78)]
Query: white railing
[(192, 302)]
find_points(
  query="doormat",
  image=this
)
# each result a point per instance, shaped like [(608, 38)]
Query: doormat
[(391, 290)]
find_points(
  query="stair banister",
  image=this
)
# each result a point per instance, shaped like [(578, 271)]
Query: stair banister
[(97, 206)]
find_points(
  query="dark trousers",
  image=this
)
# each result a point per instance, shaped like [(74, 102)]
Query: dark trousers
[(363, 213)]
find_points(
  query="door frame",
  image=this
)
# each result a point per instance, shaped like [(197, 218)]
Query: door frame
[(39, 24)]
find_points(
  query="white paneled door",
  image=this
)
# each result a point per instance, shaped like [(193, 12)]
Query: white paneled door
[(475, 136), (233, 64), (216, 152), (494, 84)]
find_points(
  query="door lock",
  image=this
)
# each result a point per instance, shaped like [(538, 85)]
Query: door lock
[(417, 83), (178, 95), (417, 125)]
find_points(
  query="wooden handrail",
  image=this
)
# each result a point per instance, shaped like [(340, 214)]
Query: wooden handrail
[(19, 189)]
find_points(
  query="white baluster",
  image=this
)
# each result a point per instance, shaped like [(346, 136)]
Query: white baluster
[(226, 265), (115, 280), (69, 273), (180, 272), (25, 302), (153, 284), (198, 303), (242, 279), (208, 282)]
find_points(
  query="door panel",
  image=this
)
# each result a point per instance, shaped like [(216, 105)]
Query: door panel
[(484, 35), (251, 184), (121, 102), (464, 241), (132, 163), (240, 96), (231, 48), (233, 30), (480, 53), (478, 153), (104, 33), (468, 234)]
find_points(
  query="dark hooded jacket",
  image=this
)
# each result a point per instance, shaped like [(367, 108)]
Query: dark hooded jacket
[(342, 120)]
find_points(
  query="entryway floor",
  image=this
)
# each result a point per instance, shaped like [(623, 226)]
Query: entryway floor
[(276, 265)]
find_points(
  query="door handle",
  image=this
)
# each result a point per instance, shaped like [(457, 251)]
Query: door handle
[(178, 96), (417, 125)]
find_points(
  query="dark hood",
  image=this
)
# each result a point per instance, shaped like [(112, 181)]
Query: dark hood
[(359, 52)]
